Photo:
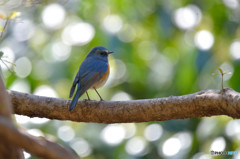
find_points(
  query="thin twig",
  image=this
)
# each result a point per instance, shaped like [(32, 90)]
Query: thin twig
[(222, 82), (5, 25), (7, 66)]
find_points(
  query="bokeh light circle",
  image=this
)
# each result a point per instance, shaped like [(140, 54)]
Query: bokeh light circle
[(78, 34), (53, 16), (204, 40), (23, 67)]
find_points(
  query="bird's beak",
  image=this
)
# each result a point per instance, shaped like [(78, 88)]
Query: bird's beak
[(110, 52)]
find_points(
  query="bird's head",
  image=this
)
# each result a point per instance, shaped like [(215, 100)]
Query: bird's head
[(100, 53)]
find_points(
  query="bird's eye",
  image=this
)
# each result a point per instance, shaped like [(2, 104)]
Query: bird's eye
[(102, 53)]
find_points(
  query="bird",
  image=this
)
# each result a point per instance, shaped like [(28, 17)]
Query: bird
[(92, 74)]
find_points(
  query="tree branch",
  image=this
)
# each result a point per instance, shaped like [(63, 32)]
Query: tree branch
[(200, 104), (7, 149), (13, 140), (5, 105), (38, 146)]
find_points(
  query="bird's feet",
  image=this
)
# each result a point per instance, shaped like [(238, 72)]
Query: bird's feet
[(86, 100)]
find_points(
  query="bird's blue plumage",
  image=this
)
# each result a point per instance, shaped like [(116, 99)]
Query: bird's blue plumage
[(91, 71)]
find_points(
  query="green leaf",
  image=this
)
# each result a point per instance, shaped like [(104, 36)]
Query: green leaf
[(14, 15), (1, 54), (221, 71), (1, 29)]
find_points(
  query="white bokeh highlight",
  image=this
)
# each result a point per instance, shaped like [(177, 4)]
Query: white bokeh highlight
[(112, 23), (127, 33), (8, 55), (21, 119), (232, 4), (35, 132), (204, 40), (37, 120), (60, 51), (218, 144), (53, 16), (81, 146), (121, 96), (130, 130), (232, 128), (23, 31), (45, 90), (187, 17), (66, 133), (235, 50), (23, 67), (153, 132), (136, 146), (78, 34), (176, 145), (171, 146), (205, 128), (113, 134), (20, 85)]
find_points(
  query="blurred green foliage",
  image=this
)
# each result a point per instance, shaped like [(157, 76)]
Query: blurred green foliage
[(162, 48)]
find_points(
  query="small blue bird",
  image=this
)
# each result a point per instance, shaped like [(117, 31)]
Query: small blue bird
[(92, 74)]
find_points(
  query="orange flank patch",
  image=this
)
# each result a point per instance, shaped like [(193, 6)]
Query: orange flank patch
[(102, 81), (105, 76)]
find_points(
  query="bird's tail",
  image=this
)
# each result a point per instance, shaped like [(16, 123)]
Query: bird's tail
[(75, 99), (72, 91)]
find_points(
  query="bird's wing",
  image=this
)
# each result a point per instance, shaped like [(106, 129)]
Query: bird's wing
[(83, 87), (76, 80), (92, 74)]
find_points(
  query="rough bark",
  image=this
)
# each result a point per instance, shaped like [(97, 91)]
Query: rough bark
[(200, 104), (37, 146), (7, 149), (14, 141)]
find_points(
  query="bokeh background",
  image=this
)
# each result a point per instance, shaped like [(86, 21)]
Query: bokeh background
[(162, 48)]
